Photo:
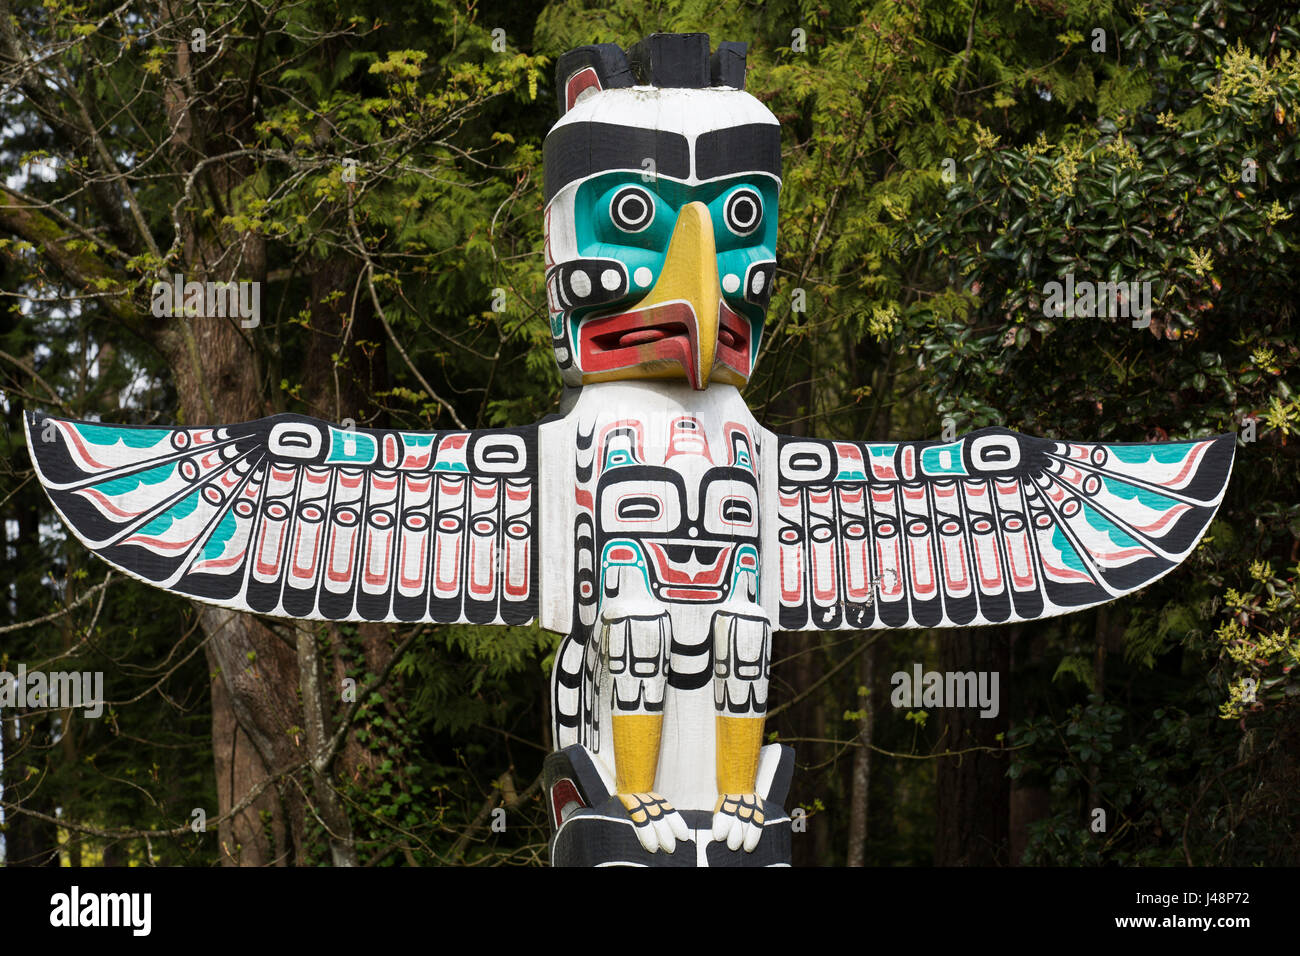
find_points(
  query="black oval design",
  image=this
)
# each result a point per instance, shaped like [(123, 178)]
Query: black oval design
[(638, 508), (737, 511)]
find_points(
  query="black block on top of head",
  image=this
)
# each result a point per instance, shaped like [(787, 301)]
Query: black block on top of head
[(671, 61), (599, 65), (727, 68)]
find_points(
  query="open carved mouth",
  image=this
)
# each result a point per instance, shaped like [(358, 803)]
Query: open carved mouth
[(628, 338), (689, 563), (659, 336)]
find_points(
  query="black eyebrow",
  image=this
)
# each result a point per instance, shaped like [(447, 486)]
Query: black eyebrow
[(578, 150), (755, 147)]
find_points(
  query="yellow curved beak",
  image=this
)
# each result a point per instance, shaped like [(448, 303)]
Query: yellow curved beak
[(690, 275), (689, 278)]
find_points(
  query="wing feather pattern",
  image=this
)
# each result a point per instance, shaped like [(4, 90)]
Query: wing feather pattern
[(992, 527), (293, 517)]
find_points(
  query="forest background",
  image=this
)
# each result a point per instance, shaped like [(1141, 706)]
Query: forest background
[(376, 167)]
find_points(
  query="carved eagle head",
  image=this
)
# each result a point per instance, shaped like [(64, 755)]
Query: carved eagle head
[(661, 182)]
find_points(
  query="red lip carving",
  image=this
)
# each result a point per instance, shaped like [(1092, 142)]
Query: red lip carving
[(666, 333), (734, 346), (661, 333), (673, 558)]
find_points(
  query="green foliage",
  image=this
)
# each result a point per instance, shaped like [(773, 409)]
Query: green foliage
[(943, 163)]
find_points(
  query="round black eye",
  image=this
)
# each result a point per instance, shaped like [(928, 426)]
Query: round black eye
[(743, 211), (632, 209)]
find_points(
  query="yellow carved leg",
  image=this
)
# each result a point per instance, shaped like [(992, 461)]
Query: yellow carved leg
[(636, 759), (636, 751), (739, 741), (738, 814)]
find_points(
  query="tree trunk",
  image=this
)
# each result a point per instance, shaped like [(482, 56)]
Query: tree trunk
[(974, 794), (1031, 799), (28, 841), (859, 802)]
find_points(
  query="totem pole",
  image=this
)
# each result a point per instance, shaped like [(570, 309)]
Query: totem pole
[(679, 534)]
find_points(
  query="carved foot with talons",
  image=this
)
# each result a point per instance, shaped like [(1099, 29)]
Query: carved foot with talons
[(658, 825), (738, 820)]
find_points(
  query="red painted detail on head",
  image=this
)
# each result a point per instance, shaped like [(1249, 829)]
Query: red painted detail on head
[(584, 79)]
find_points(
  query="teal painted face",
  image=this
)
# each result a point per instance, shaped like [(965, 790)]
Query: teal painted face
[(661, 240), (624, 297)]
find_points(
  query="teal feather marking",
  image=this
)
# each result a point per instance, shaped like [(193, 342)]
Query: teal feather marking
[(182, 509), (932, 459), (1068, 554), (1113, 531), (131, 437), (1122, 489), (1165, 454), (222, 533), (348, 447), (128, 483)]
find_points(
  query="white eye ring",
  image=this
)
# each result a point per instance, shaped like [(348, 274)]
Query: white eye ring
[(743, 211), (632, 209)]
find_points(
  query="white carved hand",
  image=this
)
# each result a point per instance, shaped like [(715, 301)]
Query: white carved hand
[(738, 820), (658, 826)]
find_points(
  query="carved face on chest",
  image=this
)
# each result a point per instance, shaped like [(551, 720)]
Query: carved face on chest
[(673, 511)]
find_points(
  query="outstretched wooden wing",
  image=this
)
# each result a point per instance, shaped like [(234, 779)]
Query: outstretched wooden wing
[(992, 527), (294, 517)]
